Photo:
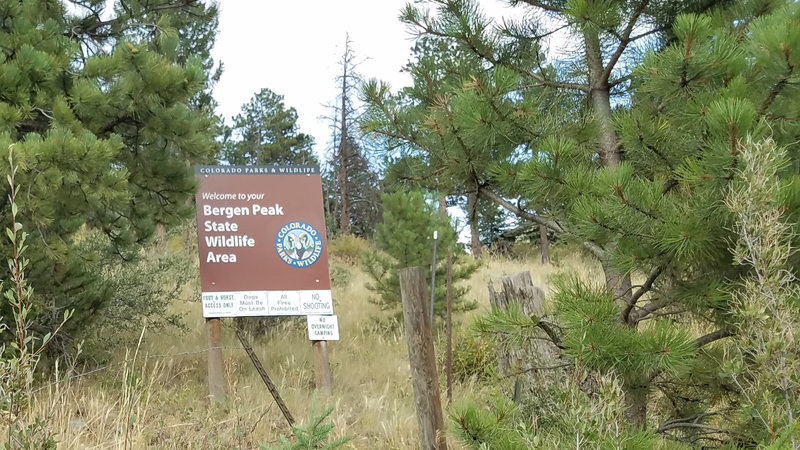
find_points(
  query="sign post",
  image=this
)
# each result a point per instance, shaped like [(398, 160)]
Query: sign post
[(216, 366), (320, 330), (263, 248)]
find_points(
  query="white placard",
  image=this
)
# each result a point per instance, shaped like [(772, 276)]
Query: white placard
[(323, 328), (284, 303), (234, 304), (316, 302), (266, 303)]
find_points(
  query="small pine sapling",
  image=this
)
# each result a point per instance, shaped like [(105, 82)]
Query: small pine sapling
[(313, 435), (405, 240)]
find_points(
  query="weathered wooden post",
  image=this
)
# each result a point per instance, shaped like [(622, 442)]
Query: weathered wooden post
[(322, 369), (216, 365), (422, 359)]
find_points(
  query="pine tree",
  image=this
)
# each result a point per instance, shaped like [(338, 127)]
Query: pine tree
[(312, 435), (419, 157), (642, 185), (405, 239), (265, 133), (98, 110)]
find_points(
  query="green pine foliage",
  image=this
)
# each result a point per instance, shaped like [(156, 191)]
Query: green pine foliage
[(313, 435), (265, 133), (630, 148), (568, 419), (99, 113), (405, 239)]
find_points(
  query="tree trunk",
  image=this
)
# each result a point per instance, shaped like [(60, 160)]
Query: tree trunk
[(472, 217), (610, 152), (344, 146), (635, 404), (521, 362), (544, 244), (618, 285)]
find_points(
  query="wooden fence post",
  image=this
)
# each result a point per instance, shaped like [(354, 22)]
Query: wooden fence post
[(422, 359), (216, 365)]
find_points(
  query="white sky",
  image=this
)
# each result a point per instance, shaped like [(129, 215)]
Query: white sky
[(293, 48)]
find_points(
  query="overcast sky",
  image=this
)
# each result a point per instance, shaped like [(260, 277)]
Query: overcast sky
[(293, 48)]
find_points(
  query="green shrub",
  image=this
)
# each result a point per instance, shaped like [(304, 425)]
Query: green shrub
[(473, 357), (340, 275), (25, 347), (312, 435), (526, 250), (348, 248)]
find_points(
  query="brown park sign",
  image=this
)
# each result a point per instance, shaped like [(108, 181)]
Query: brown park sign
[(262, 244)]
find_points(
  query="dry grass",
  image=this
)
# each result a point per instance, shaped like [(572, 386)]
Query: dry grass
[(146, 400)]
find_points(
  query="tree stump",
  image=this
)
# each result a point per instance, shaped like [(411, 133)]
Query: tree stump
[(520, 362)]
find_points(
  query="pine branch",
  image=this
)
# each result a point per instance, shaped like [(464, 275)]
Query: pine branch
[(648, 284), (546, 7), (538, 369), (489, 194), (776, 89), (427, 28), (711, 337), (646, 310), (624, 40)]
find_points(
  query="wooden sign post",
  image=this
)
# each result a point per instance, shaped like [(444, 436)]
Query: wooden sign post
[(422, 359), (324, 380), (320, 330), (216, 366)]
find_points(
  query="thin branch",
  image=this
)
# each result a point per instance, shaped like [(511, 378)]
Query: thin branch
[(695, 425), (489, 194), (624, 40), (543, 6), (537, 369), (711, 337), (648, 284), (646, 310)]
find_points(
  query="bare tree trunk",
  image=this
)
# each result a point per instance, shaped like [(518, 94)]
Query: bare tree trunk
[(344, 146), (544, 244), (519, 362), (472, 217)]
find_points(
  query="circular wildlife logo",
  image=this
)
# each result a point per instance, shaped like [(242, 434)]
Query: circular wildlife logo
[(298, 244)]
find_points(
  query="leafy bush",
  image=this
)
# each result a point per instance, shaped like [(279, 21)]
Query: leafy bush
[(25, 348), (525, 250), (348, 248), (340, 275), (472, 357), (144, 288)]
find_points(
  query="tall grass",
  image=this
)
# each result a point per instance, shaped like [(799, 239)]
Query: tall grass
[(154, 395)]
